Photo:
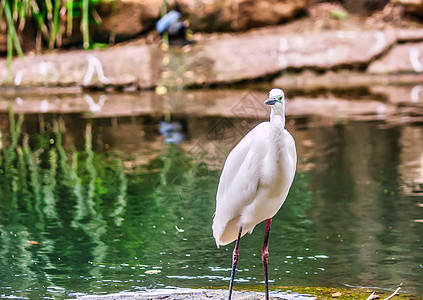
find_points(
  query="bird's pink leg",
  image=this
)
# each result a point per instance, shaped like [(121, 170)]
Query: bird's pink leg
[(265, 255), (235, 258)]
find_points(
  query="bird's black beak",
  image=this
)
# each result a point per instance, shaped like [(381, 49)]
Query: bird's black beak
[(271, 101)]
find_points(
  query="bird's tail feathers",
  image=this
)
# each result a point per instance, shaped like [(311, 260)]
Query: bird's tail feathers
[(217, 232)]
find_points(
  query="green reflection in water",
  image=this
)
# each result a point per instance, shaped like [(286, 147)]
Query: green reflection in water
[(108, 221), (52, 217), (76, 221)]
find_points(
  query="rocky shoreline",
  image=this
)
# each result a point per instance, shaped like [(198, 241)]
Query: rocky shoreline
[(283, 55)]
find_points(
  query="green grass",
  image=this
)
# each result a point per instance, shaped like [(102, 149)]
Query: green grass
[(53, 19)]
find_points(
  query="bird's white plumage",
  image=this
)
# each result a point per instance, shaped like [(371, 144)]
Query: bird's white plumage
[(256, 176)]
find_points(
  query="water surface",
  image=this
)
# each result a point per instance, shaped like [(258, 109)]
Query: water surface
[(94, 205)]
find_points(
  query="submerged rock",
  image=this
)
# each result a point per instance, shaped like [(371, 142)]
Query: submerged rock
[(199, 294)]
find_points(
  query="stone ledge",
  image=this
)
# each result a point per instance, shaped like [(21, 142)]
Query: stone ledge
[(115, 66), (222, 59)]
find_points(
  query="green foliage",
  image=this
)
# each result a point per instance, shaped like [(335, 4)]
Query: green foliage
[(54, 18), (338, 14)]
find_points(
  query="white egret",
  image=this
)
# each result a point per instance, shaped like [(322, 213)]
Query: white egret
[(255, 181)]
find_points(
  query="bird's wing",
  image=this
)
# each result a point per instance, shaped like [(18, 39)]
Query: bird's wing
[(239, 180)]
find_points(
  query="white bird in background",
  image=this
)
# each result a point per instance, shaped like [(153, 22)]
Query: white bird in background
[(255, 182)]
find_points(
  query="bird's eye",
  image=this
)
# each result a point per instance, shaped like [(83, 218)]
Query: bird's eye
[(279, 99)]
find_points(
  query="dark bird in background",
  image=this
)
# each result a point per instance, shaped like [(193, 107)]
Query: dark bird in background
[(172, 26)]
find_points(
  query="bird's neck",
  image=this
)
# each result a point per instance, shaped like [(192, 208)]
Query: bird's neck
[(277, 127), (277, 116)]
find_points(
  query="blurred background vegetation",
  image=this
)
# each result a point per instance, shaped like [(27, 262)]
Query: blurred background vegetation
[(48, 20), (51, 18)]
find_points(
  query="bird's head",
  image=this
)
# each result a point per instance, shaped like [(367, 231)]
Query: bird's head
[(275, 96)]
